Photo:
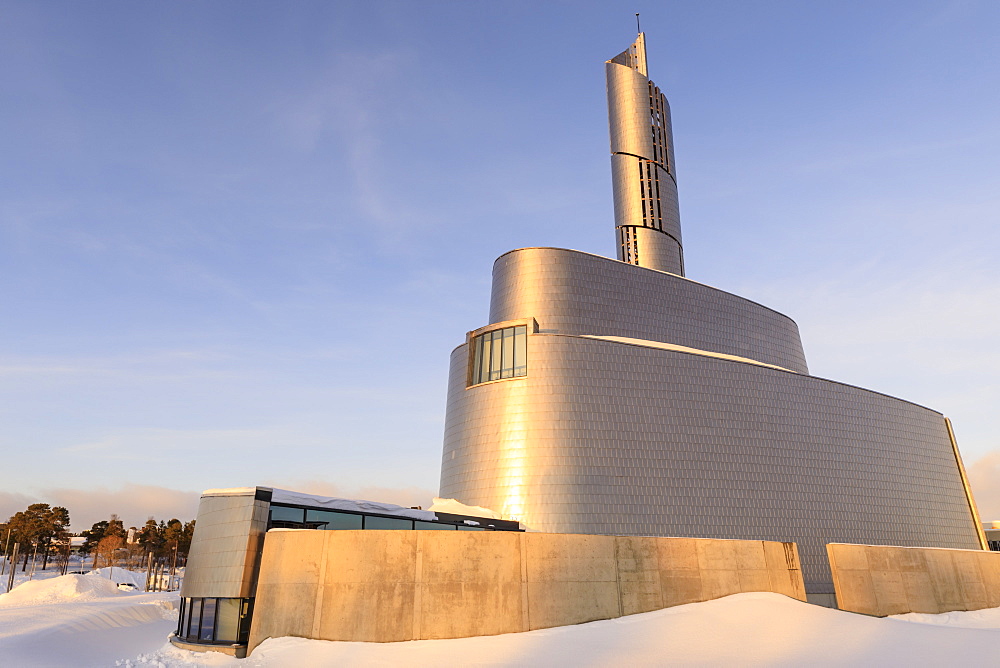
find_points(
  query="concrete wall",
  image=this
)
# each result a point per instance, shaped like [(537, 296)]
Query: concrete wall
[(226, 545), (383, 586), (880, 580)]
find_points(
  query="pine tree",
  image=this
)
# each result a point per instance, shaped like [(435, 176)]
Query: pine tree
[(115, 527), (38, 525), (150, 536), (188, 535), (93, 536)]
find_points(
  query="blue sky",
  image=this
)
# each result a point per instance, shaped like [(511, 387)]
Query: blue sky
[(238, 240)]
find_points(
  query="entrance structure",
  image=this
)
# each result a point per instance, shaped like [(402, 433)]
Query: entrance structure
[(619, 397)]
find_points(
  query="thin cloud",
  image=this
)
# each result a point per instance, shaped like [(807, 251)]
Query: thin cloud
[(12, 502), (134, 504), (137, 444)]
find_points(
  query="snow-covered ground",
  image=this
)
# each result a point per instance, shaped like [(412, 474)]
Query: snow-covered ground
[(81, 620), (78, 565), (85, 621)]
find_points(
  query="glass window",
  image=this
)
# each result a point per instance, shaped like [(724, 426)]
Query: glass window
[(215, 620), (181, 617), (466, 527), (484, 369), (194, 617), (284, 514), (331, 520), (507, 368), (520, 351), (227, 628), (432, 526), (207, 620), (387, 523), (498, 354), (477, 360)]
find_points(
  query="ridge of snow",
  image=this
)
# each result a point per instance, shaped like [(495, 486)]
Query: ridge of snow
[(358, 505), (59, 590), (456, 507), (988, 618), (756, 629), (230, 491), (329, 502), (84, 631)]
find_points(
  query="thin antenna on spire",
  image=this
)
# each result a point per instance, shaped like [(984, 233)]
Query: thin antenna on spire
[(637, 28)]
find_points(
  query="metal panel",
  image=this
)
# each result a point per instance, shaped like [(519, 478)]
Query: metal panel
[(225, 546), (570, 292), (610, 438), (647, 216)]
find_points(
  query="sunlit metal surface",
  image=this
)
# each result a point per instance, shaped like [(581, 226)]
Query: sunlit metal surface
[(608, 438), (571, 292), (647, 217)]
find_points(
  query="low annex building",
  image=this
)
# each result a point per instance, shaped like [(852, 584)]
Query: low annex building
[(224, 565)]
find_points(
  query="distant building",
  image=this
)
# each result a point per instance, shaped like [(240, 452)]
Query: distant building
[(992, 531)]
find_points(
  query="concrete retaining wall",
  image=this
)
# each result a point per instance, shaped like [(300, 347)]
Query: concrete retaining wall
[(382, 586), (880, 580)]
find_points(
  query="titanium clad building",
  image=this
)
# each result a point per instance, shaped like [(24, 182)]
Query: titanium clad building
[(619, 397)]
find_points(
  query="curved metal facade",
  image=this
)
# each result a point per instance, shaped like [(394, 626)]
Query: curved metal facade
[(647, 216), (570, 292), (605, 437)]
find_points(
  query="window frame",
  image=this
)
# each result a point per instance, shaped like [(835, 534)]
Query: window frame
[(489, 347), (189, 626)]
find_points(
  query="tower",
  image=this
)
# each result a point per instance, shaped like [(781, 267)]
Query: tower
[(647, 217)]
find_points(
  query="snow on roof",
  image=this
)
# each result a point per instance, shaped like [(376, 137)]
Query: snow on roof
[(231, 491), (329, 502), (357, 505), (456, 507)]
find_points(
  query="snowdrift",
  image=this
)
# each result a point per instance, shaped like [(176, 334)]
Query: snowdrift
[(972, 619), (118, 575), (759, 629), (94, 624), (80, 620), (59, 590)]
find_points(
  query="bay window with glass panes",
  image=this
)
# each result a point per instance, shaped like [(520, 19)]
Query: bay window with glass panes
[(499, 354), (214, 620)]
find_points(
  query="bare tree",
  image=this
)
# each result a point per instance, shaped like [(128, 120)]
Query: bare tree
[(108, 548)]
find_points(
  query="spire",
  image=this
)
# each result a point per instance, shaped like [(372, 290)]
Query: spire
[(647, 217), (634, 56)]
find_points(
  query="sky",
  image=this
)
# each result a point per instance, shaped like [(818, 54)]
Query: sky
[(238, 240)]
